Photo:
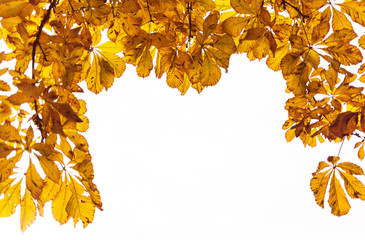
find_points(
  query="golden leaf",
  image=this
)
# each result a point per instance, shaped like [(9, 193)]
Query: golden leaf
[(353, 186), (33, 181), (337, 199), (79, 206), (27, 211), (319, 184), (144, 63), (210, 73), (185, 85), (60, 202), (339, 21), (10, 200), (346, 54), (65, 110), (9, 133), (356, 10), (234, 25), (351, 168), (93, 77), (50, 168)]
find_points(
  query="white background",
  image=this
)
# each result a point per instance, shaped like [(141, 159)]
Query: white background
[(210, 166)]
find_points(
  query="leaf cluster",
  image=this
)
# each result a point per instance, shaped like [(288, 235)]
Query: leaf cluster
[(55, 45)]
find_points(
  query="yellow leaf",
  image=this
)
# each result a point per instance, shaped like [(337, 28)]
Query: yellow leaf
[(27, 211), (346, 54), (339, 20), (144, 63), (80, 207), (355, 9), (174, 77), (234, 25), (210, 73), (50, 168), (351, 168), (337, 199), (115, 62), (15, 8), (5, 150), (361, 153), (185, 85), (322, 165), (297, 80), (222, 5), (289, 62), (79, 140), (5, 185), (10, 200), (353, 186), (362, 41), (198, 87), (313, 58), (243, 6), (5, 112), (110, 47), (85, 169), (9, 133), (60, 201), (4, 86), (290, 134), (33, 181), (49, 191), (7, 166), (274, 62), (65, 110), (93, 77), (106, 74), (210, 24), (318, 185)]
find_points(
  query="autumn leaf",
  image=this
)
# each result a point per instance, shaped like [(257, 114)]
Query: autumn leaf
[(27, 211), (337, 199), (10, 199), (34, 182), (60, 202)]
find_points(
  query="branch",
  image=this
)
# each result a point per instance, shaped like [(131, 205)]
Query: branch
[(37, 120), (284, 3), (38, 35), (190, 8)]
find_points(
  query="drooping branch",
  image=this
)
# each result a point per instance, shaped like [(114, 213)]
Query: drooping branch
[(36, 119)]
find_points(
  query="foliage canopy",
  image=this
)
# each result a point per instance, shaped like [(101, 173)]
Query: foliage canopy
[(55, 45)]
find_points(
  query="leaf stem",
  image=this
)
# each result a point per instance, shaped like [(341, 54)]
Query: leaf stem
[(339, 151)]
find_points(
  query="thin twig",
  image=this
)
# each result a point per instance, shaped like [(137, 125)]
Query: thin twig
[(149, 11), (190, 8), (284, 3)]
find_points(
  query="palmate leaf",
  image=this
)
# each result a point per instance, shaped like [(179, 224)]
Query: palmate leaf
[(337, 198)]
